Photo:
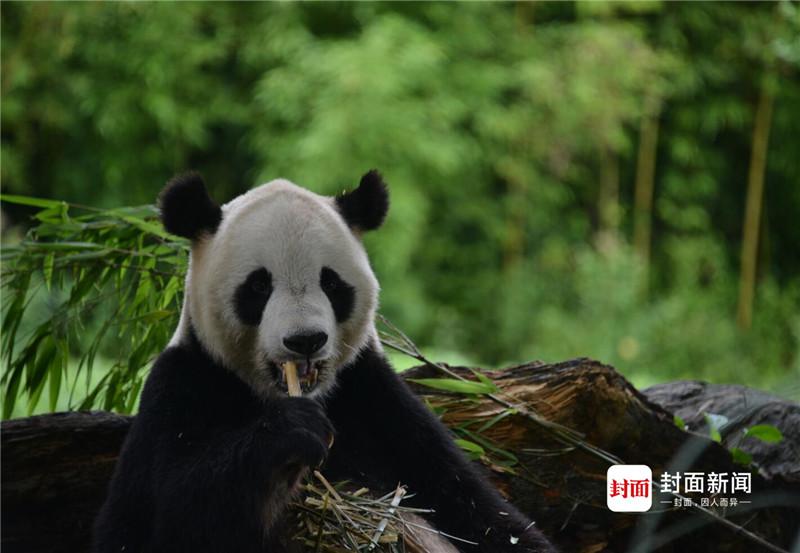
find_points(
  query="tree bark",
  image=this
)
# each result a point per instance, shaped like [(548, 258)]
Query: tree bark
[(56, 467)]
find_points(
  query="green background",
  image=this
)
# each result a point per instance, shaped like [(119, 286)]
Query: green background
[(511, 138)]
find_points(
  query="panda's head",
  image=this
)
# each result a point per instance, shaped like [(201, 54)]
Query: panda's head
[(278, 274)]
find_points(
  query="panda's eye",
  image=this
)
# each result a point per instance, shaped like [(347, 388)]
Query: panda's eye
[(340, 293), (330, 285), (260, 282), (252, 295), (329, 281), (259, 286)]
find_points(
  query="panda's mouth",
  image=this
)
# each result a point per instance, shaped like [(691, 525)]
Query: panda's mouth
[(308, 373)]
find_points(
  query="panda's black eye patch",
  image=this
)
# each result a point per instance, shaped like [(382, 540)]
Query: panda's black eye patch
[(261, 285), (341, 295), (252, 295)]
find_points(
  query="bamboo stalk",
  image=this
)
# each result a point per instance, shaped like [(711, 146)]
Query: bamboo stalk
[(752, 216), (643, 195), (292, 382), (608, 195), (398, 495)]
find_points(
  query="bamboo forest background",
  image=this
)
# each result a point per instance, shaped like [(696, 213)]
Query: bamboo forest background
[(619, 181)]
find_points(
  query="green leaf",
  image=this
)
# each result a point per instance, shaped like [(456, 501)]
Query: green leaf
[(487, 444), (11, 392), (741, 457), (54, 215), (64, 245), (482, 377), (146, 226), (715, 422), (679, 422), (37, 375), (139, 356), (55, 370), (47, 268), (457, 386), (133, 395), (29, 200), (764, 432), (497, 418), (472, 448), (36, 393), (153, 316)]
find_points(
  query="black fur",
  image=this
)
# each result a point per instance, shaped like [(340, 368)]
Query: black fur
[(386, 435), (202, 459), (186, 208), (252, 295), (365, 207), (341, 295), (205, 457)]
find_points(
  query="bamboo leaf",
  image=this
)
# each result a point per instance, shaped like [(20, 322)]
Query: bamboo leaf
[(133, 395), (487, 444), (139, 355), (715, 422), (10, 396), (741, 457), (31, 201), (482, 377), (98, 259), (56, 368), (91, 397), (63, 245), (54, 215), (474, 450), (497, 418), (36, 377), (49, 261), (13, 316), (765, 432), (146, 226)]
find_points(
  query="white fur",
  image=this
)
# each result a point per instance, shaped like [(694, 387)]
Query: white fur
[(293, 233)]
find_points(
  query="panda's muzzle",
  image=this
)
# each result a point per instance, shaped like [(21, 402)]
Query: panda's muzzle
[(305, 343), (302, 346)]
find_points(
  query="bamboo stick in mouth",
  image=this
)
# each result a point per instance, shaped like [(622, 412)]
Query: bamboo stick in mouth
[(292, 382)]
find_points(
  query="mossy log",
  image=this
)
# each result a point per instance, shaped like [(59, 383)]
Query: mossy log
[(55, 468)]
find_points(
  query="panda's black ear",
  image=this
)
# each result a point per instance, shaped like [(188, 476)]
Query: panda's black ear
[(186, 208), (365, 207)]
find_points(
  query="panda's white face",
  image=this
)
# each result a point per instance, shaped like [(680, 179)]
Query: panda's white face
[(282, 278)]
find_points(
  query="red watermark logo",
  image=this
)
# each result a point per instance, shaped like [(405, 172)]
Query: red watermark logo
[(629, 488)]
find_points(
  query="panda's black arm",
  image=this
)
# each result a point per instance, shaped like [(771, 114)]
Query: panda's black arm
[(386, 435), (222, 492), (218, 462)]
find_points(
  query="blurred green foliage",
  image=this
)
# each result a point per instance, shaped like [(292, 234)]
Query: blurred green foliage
[(509, 134)]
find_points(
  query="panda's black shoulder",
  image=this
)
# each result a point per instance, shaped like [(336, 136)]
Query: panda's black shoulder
[(185, 383), (177, 375)]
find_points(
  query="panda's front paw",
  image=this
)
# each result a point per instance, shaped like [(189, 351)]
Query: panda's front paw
[(301, 433)]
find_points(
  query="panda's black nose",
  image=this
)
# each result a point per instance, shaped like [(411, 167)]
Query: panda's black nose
[(306, 343)]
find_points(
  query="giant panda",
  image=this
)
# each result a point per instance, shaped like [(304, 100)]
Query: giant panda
[(218, 447)]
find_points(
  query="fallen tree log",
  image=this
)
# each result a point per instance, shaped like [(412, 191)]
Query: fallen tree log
[(56, 467), (740, 408)]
